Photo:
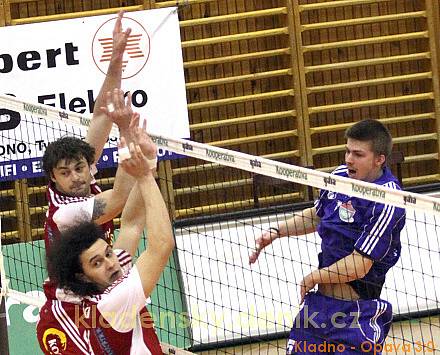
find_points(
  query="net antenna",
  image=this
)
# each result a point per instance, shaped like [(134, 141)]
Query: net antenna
[(180, 5)]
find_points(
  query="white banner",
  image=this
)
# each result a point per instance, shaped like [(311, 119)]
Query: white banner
[(63, 64)]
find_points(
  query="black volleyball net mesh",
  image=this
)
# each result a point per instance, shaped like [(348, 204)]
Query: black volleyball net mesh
[(210, 297)]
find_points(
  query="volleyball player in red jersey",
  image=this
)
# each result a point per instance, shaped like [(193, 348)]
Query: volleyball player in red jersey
[(98, 306), (69, 162)]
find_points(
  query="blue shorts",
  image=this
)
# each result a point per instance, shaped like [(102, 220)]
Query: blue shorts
[(326, 325)]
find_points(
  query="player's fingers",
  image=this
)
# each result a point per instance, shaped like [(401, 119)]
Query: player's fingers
[(121, 98), (254, 256), (122, 142), (132, 148), (140, 155), (118, 24), (114, 99), (128, 100), (109, 102), (104, 109), (134, 121)]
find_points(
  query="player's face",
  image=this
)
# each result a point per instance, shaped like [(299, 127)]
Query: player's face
[(100, 264), (361, 161), (72, 177)]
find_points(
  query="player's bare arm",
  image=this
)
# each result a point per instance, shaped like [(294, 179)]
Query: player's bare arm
[(352, 267), (98, 208), (111, 202), (133, 214), (302, 222), (101, 125), (151, 262)]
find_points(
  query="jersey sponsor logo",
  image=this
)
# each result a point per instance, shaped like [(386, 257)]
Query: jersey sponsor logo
[(346, 211), (331, 195), (54, 340)]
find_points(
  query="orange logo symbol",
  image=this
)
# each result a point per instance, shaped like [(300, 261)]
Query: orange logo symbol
[(136, 52), (54, 340)]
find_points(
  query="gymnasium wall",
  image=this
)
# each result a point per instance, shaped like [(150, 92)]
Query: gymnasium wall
[(281, 79)]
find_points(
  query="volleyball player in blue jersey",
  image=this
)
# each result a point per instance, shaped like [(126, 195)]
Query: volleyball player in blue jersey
[(360, 243)]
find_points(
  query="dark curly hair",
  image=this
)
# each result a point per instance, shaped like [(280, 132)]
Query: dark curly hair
[(68, 148), (375, 132), (63, 259)]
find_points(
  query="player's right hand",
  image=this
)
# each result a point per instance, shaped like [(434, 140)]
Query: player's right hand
[(118, 108), (119, 37), (261, 242)]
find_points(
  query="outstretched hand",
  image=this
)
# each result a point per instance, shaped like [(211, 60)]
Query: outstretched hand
[(141, 138), (118, 108), (260, 243), (119, 37), (135, 163), (307, 284)]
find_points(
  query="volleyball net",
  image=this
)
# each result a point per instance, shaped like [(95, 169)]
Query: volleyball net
[(221, 200)]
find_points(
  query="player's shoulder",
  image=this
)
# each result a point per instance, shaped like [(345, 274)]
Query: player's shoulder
[(123, 256), (389, 180), (341, 170), (59, 199)]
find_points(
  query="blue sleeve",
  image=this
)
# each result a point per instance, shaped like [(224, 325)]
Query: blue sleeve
[(319, 203), (383, 223)]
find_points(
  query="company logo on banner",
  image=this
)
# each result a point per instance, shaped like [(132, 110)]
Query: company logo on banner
[(63, 64), (136, 52)]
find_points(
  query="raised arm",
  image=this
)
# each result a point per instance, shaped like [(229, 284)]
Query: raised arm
[(160, 239), (109, 204), (100, 126), (133, 214)]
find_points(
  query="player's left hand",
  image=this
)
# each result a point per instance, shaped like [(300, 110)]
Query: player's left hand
[(144, 141), (135, 163), (307, 284)]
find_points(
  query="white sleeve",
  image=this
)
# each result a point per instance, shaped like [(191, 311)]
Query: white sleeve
[(121, 305), (72, 213)]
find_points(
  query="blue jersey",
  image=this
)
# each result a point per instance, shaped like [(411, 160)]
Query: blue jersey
[(350, 223)]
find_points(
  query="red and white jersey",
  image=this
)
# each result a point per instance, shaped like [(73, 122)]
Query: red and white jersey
[(114, 322), (65, 211)]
